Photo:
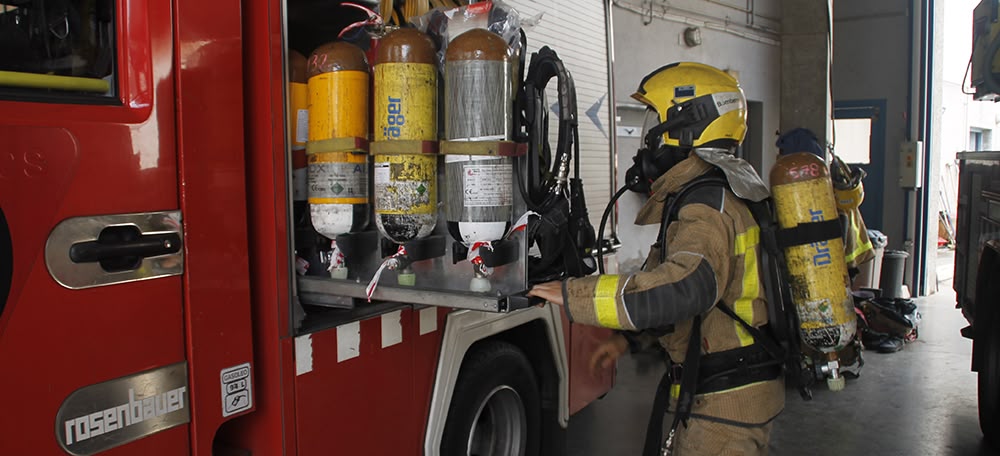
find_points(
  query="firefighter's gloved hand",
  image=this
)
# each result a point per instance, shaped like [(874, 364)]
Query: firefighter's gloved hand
[(549, 291), (607, 353)]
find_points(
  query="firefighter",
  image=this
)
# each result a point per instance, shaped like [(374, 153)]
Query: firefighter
[(700, 277)]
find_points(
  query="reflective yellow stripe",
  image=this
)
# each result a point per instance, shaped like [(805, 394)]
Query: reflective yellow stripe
[(675, 390), (605, 304), (748, 240), (863, 246), (858, 251), (746, 244)]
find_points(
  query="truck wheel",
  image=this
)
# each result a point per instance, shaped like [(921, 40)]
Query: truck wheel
[(989, 386), (496, 409)]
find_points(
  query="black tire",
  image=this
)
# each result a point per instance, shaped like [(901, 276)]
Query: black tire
[(496, 407), (989, 384), (986, 347)]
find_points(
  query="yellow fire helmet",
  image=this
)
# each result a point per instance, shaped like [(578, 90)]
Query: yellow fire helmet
[(692, 105)]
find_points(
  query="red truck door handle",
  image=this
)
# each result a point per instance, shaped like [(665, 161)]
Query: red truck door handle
[(98, 250), (123, 247)]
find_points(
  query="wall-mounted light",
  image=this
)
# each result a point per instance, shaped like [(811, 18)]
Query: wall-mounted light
[(692, 36)]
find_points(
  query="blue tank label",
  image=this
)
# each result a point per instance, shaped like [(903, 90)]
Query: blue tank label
[(822, 255), (394, 118)]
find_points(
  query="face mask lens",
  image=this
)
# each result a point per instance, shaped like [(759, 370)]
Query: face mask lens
[(652, 119)]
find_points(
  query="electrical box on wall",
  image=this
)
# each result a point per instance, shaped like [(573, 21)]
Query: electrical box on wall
[(911, 164)]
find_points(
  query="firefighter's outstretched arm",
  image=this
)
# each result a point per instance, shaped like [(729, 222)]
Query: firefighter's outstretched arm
[(688, 283)]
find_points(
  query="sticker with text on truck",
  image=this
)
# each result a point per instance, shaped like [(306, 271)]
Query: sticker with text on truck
[(237, 389)]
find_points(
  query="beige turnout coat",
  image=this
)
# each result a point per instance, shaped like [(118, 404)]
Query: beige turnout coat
[(712, 251)]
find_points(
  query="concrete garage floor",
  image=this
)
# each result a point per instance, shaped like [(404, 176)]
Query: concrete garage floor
[(920, 401)]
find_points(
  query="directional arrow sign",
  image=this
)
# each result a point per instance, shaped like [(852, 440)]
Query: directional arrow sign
[(594, 112)]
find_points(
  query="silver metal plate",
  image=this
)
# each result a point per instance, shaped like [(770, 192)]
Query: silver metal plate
[(312, 290), (102, 416), (83, 229)]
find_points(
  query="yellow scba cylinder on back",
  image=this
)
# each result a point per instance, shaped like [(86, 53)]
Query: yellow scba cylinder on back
[(803, 193)]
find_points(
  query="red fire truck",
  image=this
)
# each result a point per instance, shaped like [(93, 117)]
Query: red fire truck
[(149, 302)]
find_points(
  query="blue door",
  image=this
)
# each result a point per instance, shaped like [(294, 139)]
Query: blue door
[(855, 119)]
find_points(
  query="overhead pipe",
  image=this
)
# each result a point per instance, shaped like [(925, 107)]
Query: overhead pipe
[(757, 37), (749, 10), (666, 6)]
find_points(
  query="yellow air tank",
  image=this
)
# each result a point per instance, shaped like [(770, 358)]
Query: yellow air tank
[(406, 112), (338, 109), (803, 193)]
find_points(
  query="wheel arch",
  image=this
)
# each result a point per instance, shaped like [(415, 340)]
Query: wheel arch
[(526, 329)]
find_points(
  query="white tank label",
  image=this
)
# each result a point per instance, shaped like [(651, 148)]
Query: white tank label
[(465, 158), (302, 125), (338, 180), (487, 185), (381, 174)]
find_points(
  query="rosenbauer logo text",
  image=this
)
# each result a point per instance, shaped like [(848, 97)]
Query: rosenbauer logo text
[(134, 411)]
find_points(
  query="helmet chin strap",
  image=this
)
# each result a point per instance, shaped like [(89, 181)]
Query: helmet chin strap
[(674, 121), (654, 159)]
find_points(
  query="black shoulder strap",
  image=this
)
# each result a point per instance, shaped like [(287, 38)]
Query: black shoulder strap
[(769, 344), (775, 274), (783, 319), (672, 206), (689, 375), (654, 428), (685, 400)]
